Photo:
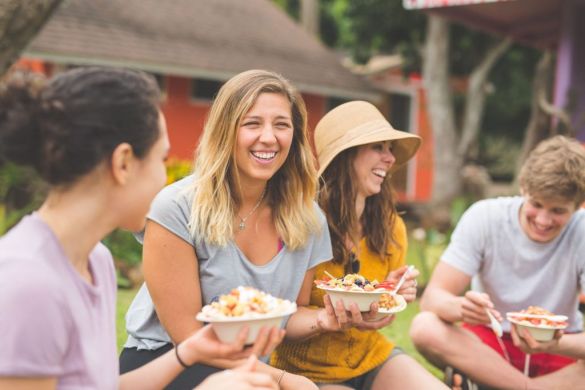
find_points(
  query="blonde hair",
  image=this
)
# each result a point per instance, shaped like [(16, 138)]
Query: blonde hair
[(216, 188), (555, 169)]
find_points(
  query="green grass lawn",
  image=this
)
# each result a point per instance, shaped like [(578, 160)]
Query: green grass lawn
[(125, 297), (398, 333)]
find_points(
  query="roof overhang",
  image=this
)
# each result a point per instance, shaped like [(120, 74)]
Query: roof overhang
[(535, 23), (195, 38), (192, 72)]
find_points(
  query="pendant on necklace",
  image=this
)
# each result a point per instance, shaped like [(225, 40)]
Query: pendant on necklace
[(242, 225)]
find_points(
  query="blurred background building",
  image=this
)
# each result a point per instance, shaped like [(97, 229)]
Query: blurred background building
[(193, 46)]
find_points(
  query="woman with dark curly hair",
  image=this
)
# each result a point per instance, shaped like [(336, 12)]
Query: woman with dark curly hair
[(99, 139)]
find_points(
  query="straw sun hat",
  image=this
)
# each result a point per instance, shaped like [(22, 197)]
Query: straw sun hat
[(360, 123)]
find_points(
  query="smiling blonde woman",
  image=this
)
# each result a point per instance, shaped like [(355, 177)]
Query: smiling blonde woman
[(246, 217)]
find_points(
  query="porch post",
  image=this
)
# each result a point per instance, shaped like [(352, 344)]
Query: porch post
[(570, 80)]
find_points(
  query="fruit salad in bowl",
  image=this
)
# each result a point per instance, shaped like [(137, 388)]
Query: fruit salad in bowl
[(245, 306), (539, 322), (354, 288)]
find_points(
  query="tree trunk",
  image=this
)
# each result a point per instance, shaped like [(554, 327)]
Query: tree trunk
[(450, 146), (20, 21), (446, 176), (310, 16), (475, 98), (539, 125)]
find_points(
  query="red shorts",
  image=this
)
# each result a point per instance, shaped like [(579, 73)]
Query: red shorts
[(540, 363)]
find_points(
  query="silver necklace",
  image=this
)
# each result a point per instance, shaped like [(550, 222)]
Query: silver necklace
[(242, 225)]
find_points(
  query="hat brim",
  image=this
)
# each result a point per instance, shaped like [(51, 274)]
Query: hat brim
[(404, 145)]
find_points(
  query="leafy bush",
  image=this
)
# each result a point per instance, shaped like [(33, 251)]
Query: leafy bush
[(21, 191), (500, 156), (124, 247), (178, 169)]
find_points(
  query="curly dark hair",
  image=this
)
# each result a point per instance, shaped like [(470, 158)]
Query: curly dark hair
[(66, 127)]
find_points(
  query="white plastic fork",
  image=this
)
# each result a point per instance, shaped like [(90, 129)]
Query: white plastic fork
[(496, 326), (499, 332), (402, 279)]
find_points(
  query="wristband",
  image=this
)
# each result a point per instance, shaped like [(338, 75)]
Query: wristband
[(181, 362)]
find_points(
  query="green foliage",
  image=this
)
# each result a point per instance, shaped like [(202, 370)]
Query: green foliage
[(424, 251), (21, 191), (508, 108), (398, 333), (458, 207), (499, 155), (124, 247), (124, 300), (292, 7), (178, 169), (381, 26), (329, 25)]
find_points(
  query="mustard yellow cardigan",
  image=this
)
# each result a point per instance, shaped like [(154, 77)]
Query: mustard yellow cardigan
[(339, 356)]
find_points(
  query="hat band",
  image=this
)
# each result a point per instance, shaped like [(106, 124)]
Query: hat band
[(371, 130)]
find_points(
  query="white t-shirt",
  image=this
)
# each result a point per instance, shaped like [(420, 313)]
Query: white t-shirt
[(490, 245)]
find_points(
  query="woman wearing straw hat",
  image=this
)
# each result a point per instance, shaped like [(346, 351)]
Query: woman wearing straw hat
[(357, 151)]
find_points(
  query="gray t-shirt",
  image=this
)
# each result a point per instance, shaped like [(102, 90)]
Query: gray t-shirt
[(52, 322), (220, 268), (490, 245)]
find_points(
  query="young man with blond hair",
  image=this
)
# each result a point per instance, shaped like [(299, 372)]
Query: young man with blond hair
[(513, 252)]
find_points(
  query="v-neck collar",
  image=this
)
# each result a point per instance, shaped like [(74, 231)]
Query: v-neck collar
[(271, 261)]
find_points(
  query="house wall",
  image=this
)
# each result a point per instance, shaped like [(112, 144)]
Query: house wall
[(413, 182), (424, 157), (186, 116), (316, 108)]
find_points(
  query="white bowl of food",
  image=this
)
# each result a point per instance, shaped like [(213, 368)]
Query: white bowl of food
[(354, 288), (540, 323), (245, 306)]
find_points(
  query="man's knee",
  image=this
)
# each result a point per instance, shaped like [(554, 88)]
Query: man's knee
[(427, 331)]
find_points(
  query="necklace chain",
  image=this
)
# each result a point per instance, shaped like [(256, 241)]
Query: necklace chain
[(242, 224)]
